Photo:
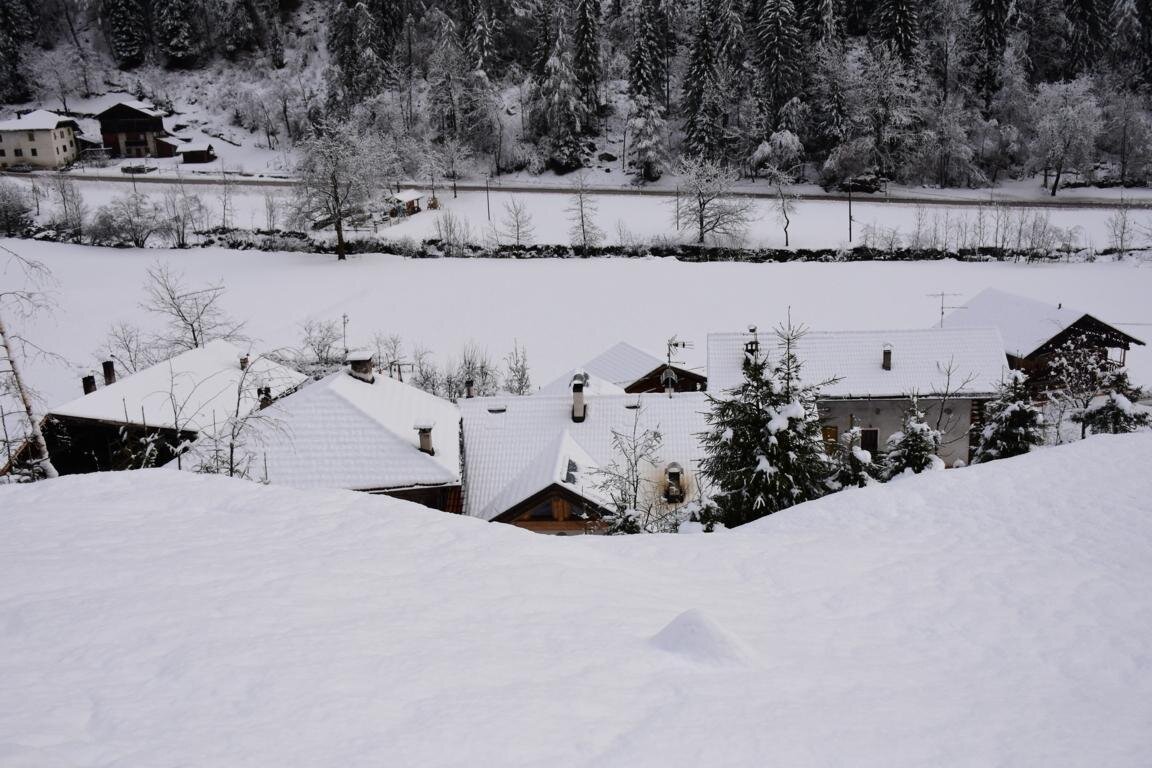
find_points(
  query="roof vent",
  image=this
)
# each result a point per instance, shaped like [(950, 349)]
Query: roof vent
[(498, 409), (469, 389), (886, 360)]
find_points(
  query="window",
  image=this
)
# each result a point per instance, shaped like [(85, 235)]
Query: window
[(831, 435), (31, 136), (870, 440), (1, 153), (19, 152), (35, 153)]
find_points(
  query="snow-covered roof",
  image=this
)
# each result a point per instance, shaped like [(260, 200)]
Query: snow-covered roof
[(37, 120), (194, 146), (919, 361), (518, 446), (194, 391), (407, 195), (1026, 324), (343, 432), (139, 106), (613, 369)]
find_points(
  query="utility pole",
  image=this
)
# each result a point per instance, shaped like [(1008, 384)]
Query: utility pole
[(344, 317), (849, 211), (488, 195)]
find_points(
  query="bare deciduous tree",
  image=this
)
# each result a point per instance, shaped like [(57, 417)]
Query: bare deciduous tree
[(517, 380), (707, 204), (518, 226), (582, 210), (192, 316)]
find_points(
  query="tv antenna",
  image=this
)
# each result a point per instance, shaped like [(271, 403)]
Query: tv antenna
[(944, 306), (675, 344)]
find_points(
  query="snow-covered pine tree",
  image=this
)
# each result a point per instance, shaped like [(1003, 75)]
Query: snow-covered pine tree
[(646, 128), (912, 450), (898, 24), (822, 21), (15, 31), (357, 72), (446, 72), (1087, 19), (480, 40), (586, 59), (1013, 425), (778, 40), (543, 26), (1118, 410), (763, 450), (124, 27), (178, 30), (558, 110), (989, 37), (855, 467), (702, 103), (1144, 48), (645, 61)]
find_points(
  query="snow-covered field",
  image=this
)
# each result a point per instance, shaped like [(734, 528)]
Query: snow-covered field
[(563, 311), (641, 219), (996, 615)]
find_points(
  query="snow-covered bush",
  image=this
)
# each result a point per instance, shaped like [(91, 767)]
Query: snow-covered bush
[(15, 209), (912, 450), (1118, 411), (1013, 424), (855, 467)]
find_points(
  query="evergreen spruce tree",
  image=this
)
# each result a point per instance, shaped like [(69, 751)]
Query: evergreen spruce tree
[(823, 21), (480, 40), (989, 38), (702, 103), (446, 74), (898, 24), (358, 72), (1118, 411), (15, 31), (558, 109), (855, 467), (586, 58), (1143, 10), (124, 25), (1013, 425), (646, 85), (543, 25), (1088, 22), (778, 40), (178, 30), (913, 448), (763, 450)]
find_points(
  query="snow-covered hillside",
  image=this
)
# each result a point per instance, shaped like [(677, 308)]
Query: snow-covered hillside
[(997, 615)]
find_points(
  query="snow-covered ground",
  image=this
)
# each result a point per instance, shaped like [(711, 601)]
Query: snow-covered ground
[(563, 311), (996, 615)]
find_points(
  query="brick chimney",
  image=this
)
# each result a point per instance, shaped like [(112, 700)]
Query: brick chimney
[(109, 372), (244, 362), (89, 383), (886, 361), (469, 389), (425, 433), (579, 407), (265, 395)]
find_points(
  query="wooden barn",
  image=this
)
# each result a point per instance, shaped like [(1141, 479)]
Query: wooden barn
[(133, 129), (359, 430), (153, 416), (625, 369), (1034, 330)]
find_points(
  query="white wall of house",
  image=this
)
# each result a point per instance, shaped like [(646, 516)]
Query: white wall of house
[(39, 148), (887, 416)]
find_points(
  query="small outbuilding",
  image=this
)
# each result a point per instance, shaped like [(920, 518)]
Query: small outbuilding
[(196, 152), (406, 202)]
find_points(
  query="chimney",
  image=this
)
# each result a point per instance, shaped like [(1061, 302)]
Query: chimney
[(425, 432), (265, 395), (469, 389), (109, 372), (89, 383), (361, 365), (579, 408), (244, 362), (887, 360)]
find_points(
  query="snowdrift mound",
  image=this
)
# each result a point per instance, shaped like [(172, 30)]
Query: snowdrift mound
[(696, 636), (997, 615)]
